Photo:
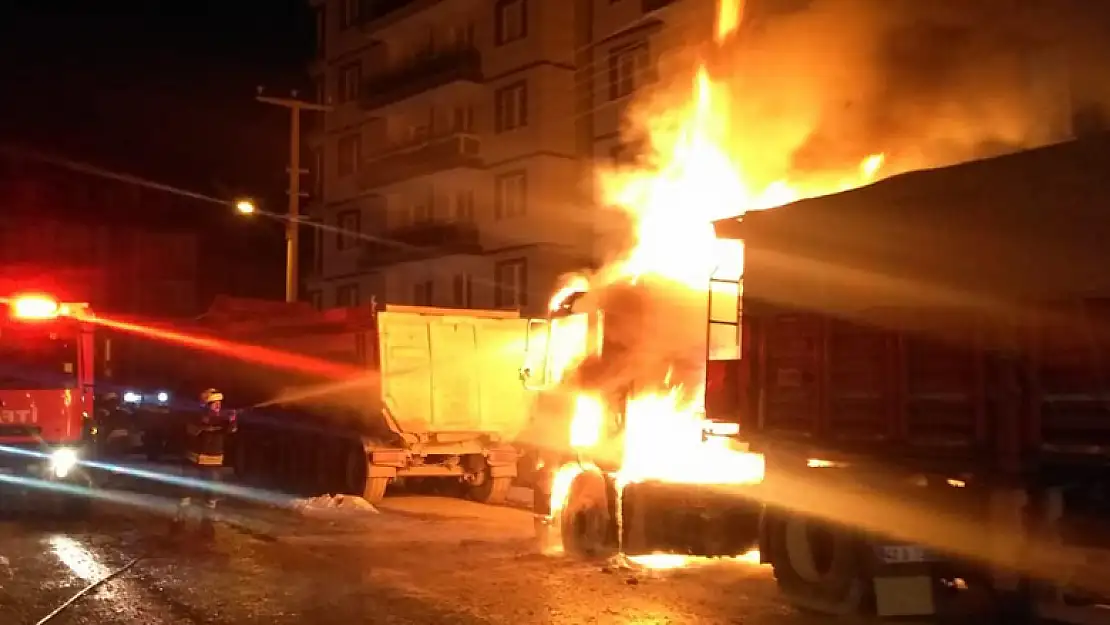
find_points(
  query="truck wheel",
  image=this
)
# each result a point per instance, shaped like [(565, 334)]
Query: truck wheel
[(374, 490), (491, 490), (585, 520), (817, 566), (355, 471)]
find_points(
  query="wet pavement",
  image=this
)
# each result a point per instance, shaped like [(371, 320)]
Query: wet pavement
[(420, 560)]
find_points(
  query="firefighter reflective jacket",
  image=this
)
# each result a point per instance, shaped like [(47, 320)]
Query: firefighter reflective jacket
[(206, 434)]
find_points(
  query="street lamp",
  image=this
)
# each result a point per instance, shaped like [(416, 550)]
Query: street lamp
[(245, 207)]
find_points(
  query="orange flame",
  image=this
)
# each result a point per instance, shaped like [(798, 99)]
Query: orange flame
[(692, 176)]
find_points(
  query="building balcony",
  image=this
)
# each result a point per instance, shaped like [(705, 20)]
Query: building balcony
[(420, 242), (421, 73), (421, 157)]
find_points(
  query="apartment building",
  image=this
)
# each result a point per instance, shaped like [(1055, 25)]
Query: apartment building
[(448, 169)]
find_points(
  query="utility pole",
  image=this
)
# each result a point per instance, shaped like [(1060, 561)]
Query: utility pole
[(293, 221)]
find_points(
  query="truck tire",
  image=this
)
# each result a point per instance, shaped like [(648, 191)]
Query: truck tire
[(817, 567), (584, 523), (374, 489), (491, 490)]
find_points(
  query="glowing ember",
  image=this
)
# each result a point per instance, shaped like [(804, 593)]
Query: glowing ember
[(668, 561)]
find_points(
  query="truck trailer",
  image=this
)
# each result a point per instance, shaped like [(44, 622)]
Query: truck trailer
[(927, 371), (427, 395)]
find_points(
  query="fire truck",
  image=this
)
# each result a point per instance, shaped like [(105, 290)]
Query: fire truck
[(46, 396)]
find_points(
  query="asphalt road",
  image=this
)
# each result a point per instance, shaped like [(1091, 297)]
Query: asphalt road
[(420, 560)]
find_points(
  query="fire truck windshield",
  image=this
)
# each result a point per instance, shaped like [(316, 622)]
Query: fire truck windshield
[(37, 358)]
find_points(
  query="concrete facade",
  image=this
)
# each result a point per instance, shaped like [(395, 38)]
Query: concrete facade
[(455, 166)]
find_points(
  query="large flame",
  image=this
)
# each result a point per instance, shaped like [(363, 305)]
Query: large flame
[(692, 176)]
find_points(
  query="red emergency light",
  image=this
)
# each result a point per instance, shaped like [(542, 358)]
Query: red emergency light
[(35, 307)]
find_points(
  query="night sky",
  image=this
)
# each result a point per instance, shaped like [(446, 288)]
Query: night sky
[(161, 89)]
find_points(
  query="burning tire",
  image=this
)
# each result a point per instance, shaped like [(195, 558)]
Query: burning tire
[(817, 566), (586, 521)]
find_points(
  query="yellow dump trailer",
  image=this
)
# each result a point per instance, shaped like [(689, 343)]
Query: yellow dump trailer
[(353, 400)]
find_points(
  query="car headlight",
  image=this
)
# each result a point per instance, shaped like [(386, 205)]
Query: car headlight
[(62, 461), (163, 397), (131, 397)]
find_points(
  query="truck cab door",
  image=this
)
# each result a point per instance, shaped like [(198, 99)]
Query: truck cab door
[(535, 372)]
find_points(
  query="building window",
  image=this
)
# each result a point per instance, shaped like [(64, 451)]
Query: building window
[(350, 76), (317, 172), (512, 21), (464, 206), (462, 119), (511, 107), (349, 223), (346, 295), (463, 291), (350, 12), (510, 195), (626, 153), (462, 37), (423, 208), (628, 69), (318, 251), (350, 153), (321, 31), (422, 293), (315, 298), (320, 86), (511, 278)]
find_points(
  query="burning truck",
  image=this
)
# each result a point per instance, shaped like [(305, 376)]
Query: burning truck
[(629, 460)]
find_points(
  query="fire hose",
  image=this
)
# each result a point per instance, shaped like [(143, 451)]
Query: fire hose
[(87, 589)]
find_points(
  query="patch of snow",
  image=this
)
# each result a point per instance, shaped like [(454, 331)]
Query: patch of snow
[(334, 504)]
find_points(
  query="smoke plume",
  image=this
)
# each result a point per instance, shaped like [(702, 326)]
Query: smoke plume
[(815, 85)]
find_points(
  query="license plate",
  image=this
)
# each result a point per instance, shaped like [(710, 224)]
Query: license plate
[(900, 554)]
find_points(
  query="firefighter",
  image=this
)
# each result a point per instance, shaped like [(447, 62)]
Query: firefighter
[(205, 437)]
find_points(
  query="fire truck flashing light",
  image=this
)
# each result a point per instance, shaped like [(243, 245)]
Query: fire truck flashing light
[(41, 307), (35, 307)]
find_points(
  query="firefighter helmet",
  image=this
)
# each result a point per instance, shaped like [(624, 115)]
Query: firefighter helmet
[(210, 396)]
